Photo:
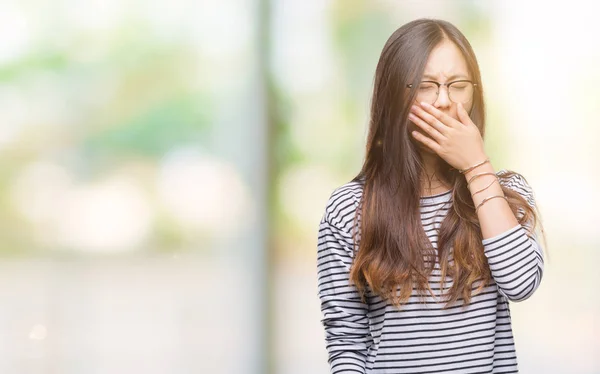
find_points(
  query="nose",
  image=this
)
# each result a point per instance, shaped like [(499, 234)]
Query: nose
[(443, 100)]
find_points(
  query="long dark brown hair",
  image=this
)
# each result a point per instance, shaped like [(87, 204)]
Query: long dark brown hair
[(394, 250)]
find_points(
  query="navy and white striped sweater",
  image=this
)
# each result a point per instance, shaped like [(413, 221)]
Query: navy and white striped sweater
[(422, 337)]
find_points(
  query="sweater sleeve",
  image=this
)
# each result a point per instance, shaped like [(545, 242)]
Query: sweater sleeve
[(347, 332), (516, 259)]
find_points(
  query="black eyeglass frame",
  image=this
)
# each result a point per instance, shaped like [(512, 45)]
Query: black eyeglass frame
[(438, 84)]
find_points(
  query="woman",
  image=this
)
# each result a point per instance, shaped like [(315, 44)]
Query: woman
[(419, 254)]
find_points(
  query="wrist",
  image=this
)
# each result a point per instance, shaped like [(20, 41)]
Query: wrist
[(485, 185), (476, 163), (481, 181), (484, 168)]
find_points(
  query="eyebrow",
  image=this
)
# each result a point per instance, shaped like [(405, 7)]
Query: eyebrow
[(454, 76)]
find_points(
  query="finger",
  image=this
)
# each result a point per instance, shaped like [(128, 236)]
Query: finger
[(440, 116), (463, 116), (434, 133), (429, 119), (427, 141)]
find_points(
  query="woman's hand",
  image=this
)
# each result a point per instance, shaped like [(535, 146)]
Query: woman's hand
[(459, 143)]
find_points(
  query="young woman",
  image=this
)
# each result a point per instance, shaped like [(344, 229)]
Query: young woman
[(420, 253)]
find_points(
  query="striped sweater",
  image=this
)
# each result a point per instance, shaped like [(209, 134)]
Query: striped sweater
[(421, 337)]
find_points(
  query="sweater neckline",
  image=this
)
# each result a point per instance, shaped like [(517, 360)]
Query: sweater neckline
[(442, 196)]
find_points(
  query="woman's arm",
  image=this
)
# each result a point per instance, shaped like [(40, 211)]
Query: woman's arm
[(347, 333), (516, 259)]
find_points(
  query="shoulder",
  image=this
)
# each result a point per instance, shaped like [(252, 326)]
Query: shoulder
[(516, 182), (343, 203)]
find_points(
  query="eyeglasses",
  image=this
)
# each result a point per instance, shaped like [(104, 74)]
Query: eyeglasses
[(458, 91)]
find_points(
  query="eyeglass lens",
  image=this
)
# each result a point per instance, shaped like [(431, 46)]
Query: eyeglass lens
[(458, 92)]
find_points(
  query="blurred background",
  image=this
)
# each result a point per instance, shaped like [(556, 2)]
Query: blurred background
[(164, 166)]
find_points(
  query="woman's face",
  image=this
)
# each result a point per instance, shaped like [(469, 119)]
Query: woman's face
[(445, 64)]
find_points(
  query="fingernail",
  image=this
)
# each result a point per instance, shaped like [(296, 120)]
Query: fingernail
[(424, 104)]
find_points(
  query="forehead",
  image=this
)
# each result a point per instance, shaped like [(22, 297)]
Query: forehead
[(445, 61)]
